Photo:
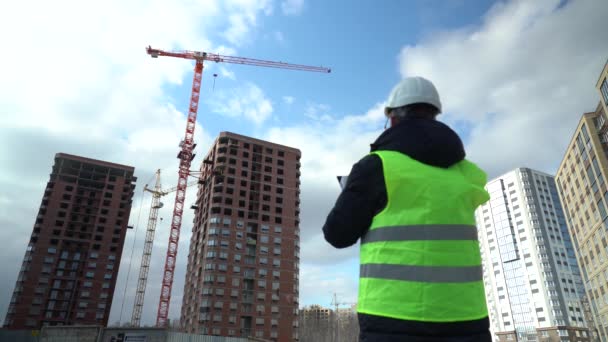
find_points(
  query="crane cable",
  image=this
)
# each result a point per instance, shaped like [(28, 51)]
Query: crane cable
[(124, 295)]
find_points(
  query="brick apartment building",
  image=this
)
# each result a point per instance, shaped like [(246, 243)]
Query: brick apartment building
[(243, 264), (71, 263)]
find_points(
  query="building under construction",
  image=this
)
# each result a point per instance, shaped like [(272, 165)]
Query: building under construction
[(71, 262), (243, 264)]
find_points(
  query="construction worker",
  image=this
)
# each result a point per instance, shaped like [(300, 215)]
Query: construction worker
[(411, 201)]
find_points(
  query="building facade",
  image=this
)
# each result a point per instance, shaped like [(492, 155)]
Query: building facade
[(71, 263), (533, 285), (321, 324), (581, 180), (316, 314), (602, 87), (243, 265)]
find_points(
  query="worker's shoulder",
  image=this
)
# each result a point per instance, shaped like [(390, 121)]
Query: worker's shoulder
[(369, 162), (367, 167), (474, 171)]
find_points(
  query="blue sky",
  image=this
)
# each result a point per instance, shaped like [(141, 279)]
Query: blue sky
[(506, 71), (360, 43)]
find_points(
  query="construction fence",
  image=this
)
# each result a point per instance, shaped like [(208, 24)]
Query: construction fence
[(114, 334)]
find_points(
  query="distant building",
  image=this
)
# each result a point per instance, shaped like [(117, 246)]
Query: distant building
[(581, 180), (317, 314), (71, 263), (533, 284), (243, 266)]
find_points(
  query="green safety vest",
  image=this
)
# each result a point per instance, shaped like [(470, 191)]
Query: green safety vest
[(420, 258)]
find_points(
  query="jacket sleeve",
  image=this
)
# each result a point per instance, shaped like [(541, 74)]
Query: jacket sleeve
[(361, 199)]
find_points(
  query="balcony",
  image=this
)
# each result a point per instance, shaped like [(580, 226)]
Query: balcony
[(247, 297), (604, 137), (600, 123)]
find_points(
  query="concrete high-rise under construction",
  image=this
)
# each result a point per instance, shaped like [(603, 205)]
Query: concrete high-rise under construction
[(71, 263), (533, 284), (243, 265)]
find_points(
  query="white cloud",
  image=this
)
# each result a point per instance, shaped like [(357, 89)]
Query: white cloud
[(288, 99), (239, 28), (227, 73), (318, 284), (318, 112), (522, 79), (279, 37), (247, 101), (244, 19), (292, 7)]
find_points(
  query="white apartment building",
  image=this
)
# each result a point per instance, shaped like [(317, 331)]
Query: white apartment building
[(533, 283)]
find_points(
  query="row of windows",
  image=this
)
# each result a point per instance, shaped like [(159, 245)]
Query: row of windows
[(255, 185), (254, 215), (70, 188), (75, 256), (256, 158), (245, 172), (227, 222), (214, 230), (238, 245), (245, 145), (237, 269), (218, 304), (237, 257), (107, 195), (252, 204), (209, 291), (85, 219), (262, 283)]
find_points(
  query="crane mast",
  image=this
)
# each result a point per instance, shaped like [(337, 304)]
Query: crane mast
[(144, 268), (186, 154)]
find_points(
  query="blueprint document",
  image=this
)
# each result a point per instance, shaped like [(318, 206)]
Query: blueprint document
[(342, 180)]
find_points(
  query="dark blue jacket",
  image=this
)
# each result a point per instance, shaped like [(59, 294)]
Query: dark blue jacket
[(430, 142)]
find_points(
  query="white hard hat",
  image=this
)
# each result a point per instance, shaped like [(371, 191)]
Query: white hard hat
[(413, 90)]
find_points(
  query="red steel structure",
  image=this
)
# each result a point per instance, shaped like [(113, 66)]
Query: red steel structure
[(186, 154)]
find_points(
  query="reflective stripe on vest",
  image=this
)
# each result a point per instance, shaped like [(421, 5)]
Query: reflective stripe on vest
[(427, 274), (421, 232), (420, 259)]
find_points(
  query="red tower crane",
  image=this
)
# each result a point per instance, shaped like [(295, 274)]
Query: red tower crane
[(186, 153)]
